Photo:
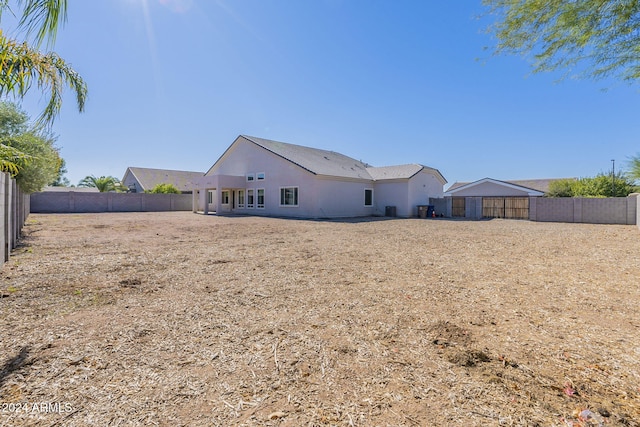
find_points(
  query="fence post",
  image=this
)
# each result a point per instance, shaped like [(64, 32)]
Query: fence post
[(8, 226), (14, 214), (3, 216)]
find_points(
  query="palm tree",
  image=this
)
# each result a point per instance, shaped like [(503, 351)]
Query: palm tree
[(23, 64), (103, 184)]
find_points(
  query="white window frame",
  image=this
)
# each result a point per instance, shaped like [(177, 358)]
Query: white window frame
[(251, 196), (296, 197), (258, 204), (260, 176), (241, 199), (225, 194), (251, 177), (210, 197), (365, 197)]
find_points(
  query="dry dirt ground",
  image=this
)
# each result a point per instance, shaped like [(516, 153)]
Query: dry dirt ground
[(177, 319)]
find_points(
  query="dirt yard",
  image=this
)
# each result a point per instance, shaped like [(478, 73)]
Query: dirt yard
[(177, 319)]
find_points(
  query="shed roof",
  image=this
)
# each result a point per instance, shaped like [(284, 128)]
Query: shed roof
[(149, 178), (541, 185), (456, 187)]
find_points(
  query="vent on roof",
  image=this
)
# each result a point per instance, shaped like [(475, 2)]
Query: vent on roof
[(326, 158)]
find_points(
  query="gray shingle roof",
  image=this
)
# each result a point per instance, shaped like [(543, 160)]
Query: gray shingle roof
[(316, 161), (149, 178), (394, 172), (330, 163)]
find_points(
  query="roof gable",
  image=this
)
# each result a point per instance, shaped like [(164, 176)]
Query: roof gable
[(314, 160), (328, 163), (541, 185), (402, 172), (149, 178), (462, 187)]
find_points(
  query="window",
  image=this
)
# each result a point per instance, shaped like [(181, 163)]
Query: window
[(289, 196), (260, 197), (250, 198), (250, 177), (210, 197), (225, 197), (368, 196), (260, 176), (241, 198)]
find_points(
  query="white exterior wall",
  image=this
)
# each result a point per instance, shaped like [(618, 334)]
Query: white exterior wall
[(392, 193), (422, 186), (406, 195), (339, 199), (130, 182), (318, 197)]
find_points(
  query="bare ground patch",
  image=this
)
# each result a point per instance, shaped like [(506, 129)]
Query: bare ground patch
[(182, 319)]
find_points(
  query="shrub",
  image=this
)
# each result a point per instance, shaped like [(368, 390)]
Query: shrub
[(164, 189)]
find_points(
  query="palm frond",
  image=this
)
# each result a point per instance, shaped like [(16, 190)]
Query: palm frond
[(42, 18), (22, 65), (11, 159)]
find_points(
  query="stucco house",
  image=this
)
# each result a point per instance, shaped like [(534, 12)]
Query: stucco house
[(139, 180), (262, 177)]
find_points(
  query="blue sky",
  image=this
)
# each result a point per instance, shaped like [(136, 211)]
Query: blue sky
[(173, 82)]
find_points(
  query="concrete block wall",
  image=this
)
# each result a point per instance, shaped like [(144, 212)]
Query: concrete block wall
[(614, 210), (77, 202), (14, 210)]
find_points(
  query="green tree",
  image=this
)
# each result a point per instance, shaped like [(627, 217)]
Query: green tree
[(23, 64), (634, 168), (164, 189), (103, 184), (602, 185), (30, 150), (561, 188), (61, 180), (588, 38)]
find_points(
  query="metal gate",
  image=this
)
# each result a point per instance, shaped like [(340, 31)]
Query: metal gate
[(505, 207), (458, 207)]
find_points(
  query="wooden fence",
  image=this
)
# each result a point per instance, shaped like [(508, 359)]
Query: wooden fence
[(14, 210)]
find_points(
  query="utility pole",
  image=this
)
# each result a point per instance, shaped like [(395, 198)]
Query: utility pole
[(613, 178)]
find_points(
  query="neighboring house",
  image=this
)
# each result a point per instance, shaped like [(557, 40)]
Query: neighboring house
[(263, 177), (491, 198), (139, 180), (60, 189)]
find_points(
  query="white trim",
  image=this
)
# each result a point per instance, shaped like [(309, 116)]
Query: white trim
[(260, 174), (240, 203), (222, 194), (365, 198), (253, 196), (258, 206), (250, 177), (296, 196)]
